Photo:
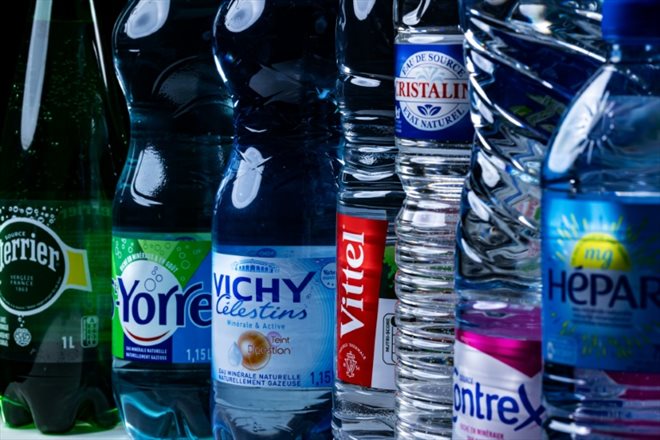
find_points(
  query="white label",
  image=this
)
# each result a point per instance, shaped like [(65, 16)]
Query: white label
[(273, 321), (383, 374), (493, 400)]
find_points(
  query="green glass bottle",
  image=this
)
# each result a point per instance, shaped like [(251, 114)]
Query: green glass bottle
[(59, 155)]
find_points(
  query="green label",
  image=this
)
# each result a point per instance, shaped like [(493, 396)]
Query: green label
[(162, 298), (37, 267), (53, 279)]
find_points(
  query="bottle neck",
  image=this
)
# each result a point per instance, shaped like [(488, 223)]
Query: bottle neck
[(422, 14), (57, 26), (635, 52), (64, 10)]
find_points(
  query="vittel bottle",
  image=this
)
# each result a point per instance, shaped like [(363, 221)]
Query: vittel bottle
[(369, 199)]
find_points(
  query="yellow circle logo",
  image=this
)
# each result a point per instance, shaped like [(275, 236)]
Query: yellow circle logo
[(600, 251)]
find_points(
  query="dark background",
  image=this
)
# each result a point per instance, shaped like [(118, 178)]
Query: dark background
[(14, 32)]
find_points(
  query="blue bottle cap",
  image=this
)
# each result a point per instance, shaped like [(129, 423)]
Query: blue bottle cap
[(631, 20)]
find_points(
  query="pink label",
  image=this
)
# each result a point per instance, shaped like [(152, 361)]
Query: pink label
[(639, 386), (497, 388)]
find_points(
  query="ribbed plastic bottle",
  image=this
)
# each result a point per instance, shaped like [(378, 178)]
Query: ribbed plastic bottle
[(370, 196), (57, 177), (274, 271), (434, 138), (601, 270), (526, 61), (180, 122)]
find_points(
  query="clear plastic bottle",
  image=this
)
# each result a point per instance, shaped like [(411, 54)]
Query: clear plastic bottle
[(526, 61), (274, 222), (370, 196), (434, 138), (180, 120), (57, 177), (601, 201)]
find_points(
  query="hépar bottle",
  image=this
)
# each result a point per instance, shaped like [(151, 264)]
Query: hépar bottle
[(274, 272), (370, 196), (601, 271), (526, 61), (434, 138), (180, 124)]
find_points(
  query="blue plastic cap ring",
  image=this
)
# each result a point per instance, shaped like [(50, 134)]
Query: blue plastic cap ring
[(631, 20)]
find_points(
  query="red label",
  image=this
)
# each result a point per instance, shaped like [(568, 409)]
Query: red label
[(360, 251)]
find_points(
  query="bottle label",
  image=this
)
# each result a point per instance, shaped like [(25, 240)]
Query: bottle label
[(431, 92), (273, 323), (47, 297), (365, 303), (601, 283), (162, 298), (497, 388)]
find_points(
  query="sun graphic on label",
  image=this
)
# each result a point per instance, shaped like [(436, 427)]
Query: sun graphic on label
[(595, 245), (600, 251)]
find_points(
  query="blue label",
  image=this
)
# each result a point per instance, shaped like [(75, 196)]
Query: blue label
[(163, 303), (431, 91), (274, 315), (601, 283)]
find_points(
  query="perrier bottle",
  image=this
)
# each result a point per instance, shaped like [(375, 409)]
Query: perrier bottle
[(57, 178)]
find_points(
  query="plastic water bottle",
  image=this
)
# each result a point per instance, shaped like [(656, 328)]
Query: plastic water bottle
[(526, 61), (274, 249), (601, 283), (180, 119), (56, 184), (370, 196), (434, 136)]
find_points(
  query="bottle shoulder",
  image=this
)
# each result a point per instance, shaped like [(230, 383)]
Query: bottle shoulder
[(274, 196), (432, 35), (609, 136)]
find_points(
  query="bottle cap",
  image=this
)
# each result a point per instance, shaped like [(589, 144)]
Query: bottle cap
[(631, 20)]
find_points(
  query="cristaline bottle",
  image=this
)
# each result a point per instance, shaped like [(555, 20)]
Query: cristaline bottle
[(434, 138)]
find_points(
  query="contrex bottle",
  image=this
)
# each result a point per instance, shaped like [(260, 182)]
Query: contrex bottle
[(56, 182), (180, 118)]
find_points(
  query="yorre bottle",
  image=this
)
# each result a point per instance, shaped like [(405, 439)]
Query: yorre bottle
[(180, 122)]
